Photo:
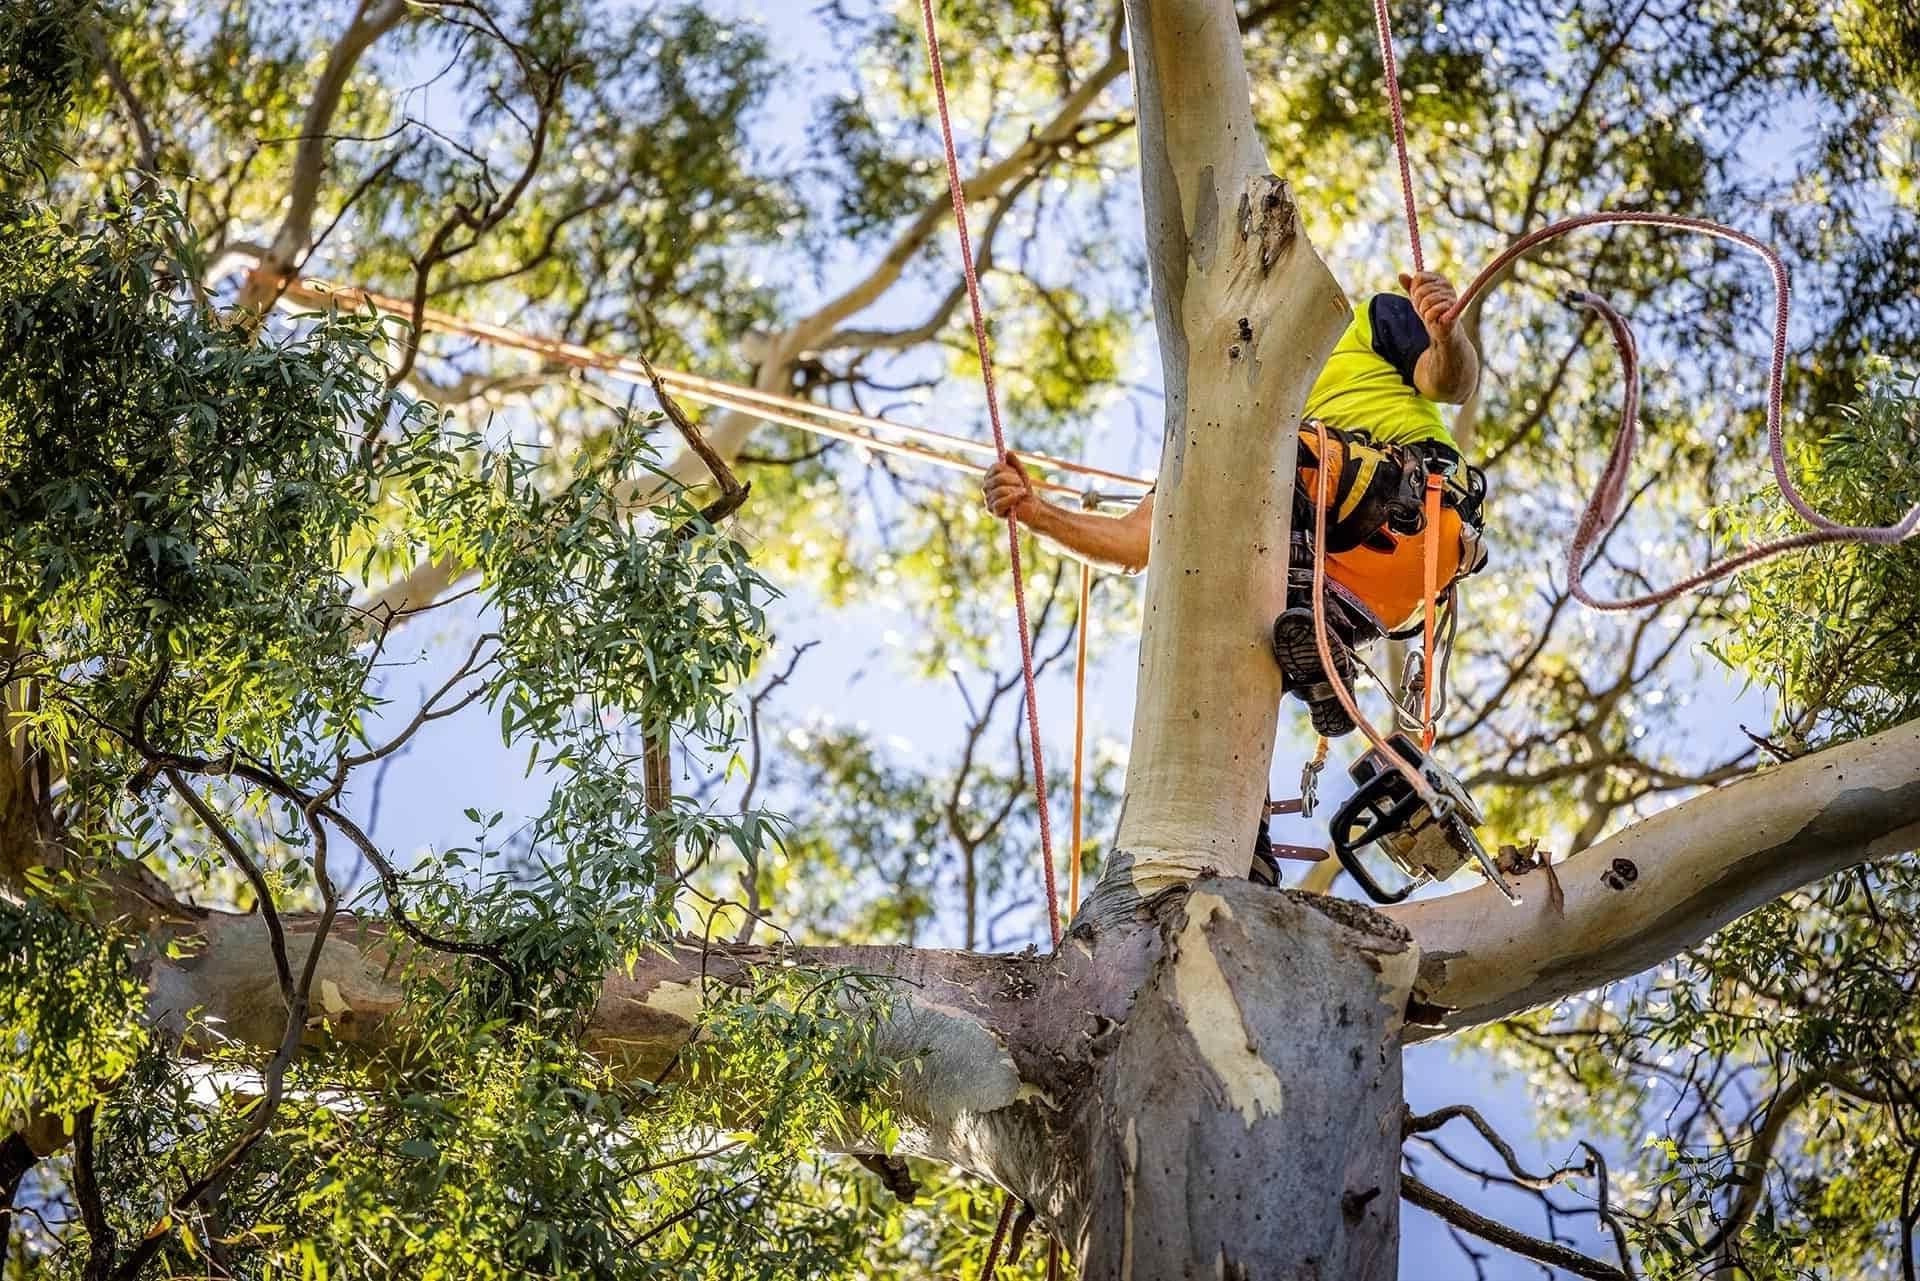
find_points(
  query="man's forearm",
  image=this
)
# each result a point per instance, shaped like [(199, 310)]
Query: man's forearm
[(1449, 371), (1108, 542)]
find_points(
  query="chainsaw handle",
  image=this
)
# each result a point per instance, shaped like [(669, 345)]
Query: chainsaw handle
[(1350, 859), (1348, 839), (1384, 821)]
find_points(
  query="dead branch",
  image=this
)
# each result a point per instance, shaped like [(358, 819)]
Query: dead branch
[(1450, 1211)]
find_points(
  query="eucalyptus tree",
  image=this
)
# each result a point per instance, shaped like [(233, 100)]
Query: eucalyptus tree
[(259, 1089)]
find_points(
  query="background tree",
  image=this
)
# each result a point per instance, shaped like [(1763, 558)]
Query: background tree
[(617, 183)]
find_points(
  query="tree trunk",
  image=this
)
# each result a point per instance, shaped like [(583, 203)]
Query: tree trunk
[(1247, 314), (1245, 1122)]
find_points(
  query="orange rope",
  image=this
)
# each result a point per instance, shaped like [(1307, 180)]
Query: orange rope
[(1430, 568), (1079, 737)]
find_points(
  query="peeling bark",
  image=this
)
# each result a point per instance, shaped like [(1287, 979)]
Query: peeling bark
[(1187, 1063), (1246, 1123)]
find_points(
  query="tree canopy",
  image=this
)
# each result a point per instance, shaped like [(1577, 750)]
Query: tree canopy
[(209, 499)]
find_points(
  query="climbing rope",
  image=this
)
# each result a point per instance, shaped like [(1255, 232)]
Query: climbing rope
[(833, 423), (1079, 735), (1383, 29), (959, 197), (1604, 505)]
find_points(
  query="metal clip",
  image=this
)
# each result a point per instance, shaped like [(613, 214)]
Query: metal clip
[(1413, 681), (1310, 785)]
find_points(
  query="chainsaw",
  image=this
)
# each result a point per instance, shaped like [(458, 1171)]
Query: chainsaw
[(1424, 844)]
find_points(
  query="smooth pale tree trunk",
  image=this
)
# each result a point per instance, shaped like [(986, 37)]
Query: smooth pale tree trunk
[(1245, 1122)]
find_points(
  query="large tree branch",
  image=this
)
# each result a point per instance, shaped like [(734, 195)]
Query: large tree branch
[(1013, 1063), (964, 1023), (371, 20), (1663, 885)]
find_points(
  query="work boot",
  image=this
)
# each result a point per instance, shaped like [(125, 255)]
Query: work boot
[(1299, 658), (1266, 868)]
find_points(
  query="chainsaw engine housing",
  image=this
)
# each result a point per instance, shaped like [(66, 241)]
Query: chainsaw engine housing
[(1388, 813)]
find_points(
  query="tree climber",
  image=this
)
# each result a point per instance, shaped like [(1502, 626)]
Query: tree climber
[(1379, 397)]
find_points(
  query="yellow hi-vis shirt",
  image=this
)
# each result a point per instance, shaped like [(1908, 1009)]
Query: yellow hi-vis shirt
[(1367, 384)]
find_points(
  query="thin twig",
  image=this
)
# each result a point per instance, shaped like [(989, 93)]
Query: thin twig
[(1605, 1212), (86, 1190), (1531, 1247), (149, 162), (733, 491), (1439, 1117), (428, 710), (262, 894)]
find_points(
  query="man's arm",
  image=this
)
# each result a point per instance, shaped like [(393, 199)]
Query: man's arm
[(1109, 542), (1449, 369)]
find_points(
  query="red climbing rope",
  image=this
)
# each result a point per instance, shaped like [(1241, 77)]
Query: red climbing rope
[(1384, 30), (959, 196), (992, 1264), (1605, 503)]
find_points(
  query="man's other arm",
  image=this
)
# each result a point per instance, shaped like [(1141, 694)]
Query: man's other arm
[(1108, 542)]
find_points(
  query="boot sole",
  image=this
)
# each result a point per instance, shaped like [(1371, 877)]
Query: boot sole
[(1299, 658)]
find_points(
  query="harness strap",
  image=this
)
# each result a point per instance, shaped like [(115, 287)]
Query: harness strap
[(1430, 567)]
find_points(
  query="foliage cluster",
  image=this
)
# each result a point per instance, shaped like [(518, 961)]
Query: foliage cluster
[(182, 497)]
